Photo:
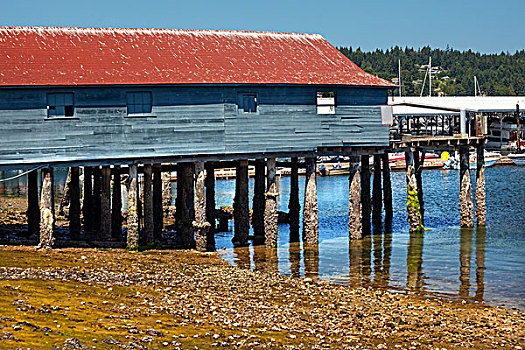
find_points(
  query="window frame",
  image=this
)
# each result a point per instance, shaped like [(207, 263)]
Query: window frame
[(241, 95), (322, 102), (142, 113), (65, 96)]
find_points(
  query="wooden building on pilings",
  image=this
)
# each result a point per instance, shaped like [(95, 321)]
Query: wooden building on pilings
[(145, 98)]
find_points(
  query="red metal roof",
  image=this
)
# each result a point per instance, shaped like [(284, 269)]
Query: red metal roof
[(106, 56)]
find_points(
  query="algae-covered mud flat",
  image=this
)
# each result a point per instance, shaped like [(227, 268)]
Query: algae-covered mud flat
[(184, 299)]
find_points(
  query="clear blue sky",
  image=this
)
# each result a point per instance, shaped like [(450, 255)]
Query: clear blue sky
[(482, 25)]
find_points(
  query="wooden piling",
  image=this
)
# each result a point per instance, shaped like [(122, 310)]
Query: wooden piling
[(209, 183), (105, 204), (149, 236), (96, 198), (259, 201), (413, 213), (87, 195), (116, 205), (294, 207), (419, 160), (310, 210), (185, 211), (355, 224), (201, 224), (158, 216), (63, 207), (465, 191), (377, 197), (47, 210), (270, 209), (74, 204), (365, 194), (167, 198), (133, 219), (481, 207), (387, 192), (33, 209), (241, 211)]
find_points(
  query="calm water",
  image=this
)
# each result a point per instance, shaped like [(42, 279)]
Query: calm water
[(480, 264)]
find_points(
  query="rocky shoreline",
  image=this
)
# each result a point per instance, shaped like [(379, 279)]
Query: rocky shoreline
[(97, 298)]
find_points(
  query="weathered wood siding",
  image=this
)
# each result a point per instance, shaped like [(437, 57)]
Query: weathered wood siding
[(189, 120)]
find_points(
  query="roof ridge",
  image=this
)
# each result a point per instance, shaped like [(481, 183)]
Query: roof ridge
[(156, 31)]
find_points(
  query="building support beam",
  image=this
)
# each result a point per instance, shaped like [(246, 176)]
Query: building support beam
[(365, 194), (209, 183), (310, 211), (74, 204), (87, 206), (201, 224), (241, 210), (158, 216), (481, 206), (133, 218), (414, 215), (33, 210), (63, 207), (294, 207), (465, 189), (116, 205), (185, 213), (167, 198), (258, 205), (387, 192), (105, 204), (47, 210), (270, 209), (97, 184), (148, 204), (419, 160), (355, 224), (377, 196)]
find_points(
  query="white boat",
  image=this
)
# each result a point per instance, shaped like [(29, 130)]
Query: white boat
[(491, 158), (517, 158)]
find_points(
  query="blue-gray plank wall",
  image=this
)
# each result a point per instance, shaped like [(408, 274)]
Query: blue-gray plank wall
[(184, 121)]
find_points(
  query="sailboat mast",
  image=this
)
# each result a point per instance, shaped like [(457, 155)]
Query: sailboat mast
[(430, 76), (399, 76)]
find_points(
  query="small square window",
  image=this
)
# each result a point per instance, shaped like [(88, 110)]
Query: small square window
[(138, 103), (247, 102), (325, 102), (60, 105)]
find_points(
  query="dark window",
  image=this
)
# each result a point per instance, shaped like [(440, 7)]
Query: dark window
[(60, 105), (325, 102), (247, 102), (139, 102)]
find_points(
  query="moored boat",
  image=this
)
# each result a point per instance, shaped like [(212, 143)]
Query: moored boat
[(517, 158)]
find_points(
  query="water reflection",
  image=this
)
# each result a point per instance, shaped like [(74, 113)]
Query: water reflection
[(465, 255), (294, 253), (415, 261), (481, 233), (311, 261)]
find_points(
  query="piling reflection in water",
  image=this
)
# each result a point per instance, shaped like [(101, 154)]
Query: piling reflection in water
[(465, 255), (480, 262), (242, 256), (415, 261), (294, 253), (311, 261)]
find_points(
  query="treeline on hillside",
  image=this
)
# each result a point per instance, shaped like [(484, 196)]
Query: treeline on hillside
[(453, 71)]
